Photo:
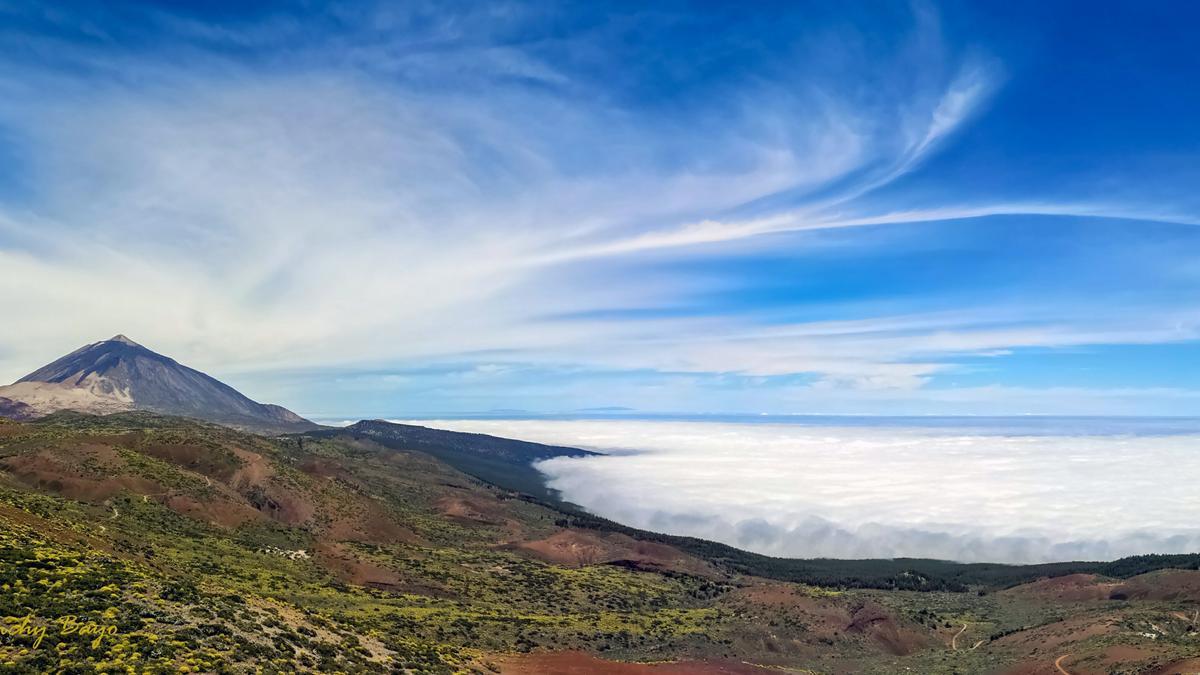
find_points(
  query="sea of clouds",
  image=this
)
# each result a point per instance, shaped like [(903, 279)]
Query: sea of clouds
[(997, 493)]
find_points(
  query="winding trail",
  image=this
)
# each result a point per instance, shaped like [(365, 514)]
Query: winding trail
[(1058, 664), (954, 640)]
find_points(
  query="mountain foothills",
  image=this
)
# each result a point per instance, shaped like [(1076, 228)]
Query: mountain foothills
[(118, 375), (133, 541)]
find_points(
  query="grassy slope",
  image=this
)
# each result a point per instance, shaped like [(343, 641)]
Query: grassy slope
[(444, 594)]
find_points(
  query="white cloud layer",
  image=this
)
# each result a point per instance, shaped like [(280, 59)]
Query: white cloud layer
[(970, 494)]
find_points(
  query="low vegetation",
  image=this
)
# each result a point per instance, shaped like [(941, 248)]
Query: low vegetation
[(137, 543)]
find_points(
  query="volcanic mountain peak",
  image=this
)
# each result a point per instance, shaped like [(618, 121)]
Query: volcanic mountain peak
[(119, 374)]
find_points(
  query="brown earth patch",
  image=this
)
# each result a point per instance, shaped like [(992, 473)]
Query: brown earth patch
[(344, 563), (579, 663), (473, 509), (127, 439), (198, 458), (102, 455), (826, 616), (827, 619), (1183, 667), (1170, 585), (1069, 588), (255, 470), (55, 531), (1114, 659), (572, 547), (284, 505), (324, 468), (219, 512), (579, 548), (368, 524), (1031, 668), (50, 475), (876, 622), (1055, 638), (9, 429), (776, 595), (1123, 653)]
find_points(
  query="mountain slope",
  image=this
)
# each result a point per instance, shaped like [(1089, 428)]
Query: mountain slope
[(118, 375)]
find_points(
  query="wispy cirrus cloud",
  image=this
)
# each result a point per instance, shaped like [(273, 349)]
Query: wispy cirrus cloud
[(275, 198)]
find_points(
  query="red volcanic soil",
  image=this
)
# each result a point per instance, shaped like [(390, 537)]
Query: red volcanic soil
[(579, 663), (1044, 644), (877, 623), (1164, 585), (198, 458), (825, 619), (474, 509), (349, 567), (1184, 667), (585, 547), (1112, 659), (291, 507), (47, 473), (255, 470), (832, 618), (220, 512), (9, 427), (1069, 588), (363, 521), (1043, 667), (1123, 653), (324, 468), (780, 595), (1052, 637), (1170, 585)]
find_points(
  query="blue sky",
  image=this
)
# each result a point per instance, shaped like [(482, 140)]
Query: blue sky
[(400, 209)]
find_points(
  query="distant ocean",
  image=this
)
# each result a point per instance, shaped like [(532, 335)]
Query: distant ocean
[(1000, 489)]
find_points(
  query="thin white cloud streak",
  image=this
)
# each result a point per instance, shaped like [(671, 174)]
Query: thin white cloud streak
[(894, 352), (809, 219), (863, 492)]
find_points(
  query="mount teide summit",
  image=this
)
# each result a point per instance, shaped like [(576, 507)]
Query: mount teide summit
[(119, 374)]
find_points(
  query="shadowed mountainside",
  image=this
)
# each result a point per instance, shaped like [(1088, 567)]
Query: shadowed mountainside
[(503, 462)]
